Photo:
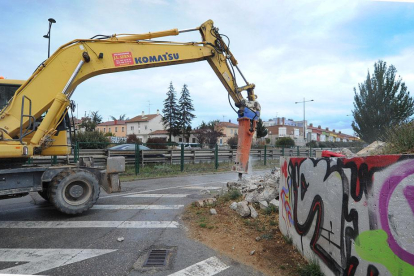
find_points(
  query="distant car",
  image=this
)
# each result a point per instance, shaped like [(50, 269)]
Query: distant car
[(129, 150), (189, 145)]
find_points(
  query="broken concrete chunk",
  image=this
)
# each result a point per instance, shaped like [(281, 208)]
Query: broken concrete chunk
[(233, 206), (263, 205), (199, 203), (243, 209), (269, 193), (120, 239), (209, 201), (233, 185), (251, 188), (258, 238), (213, 212), (275, 203), (252, 252), (253, 212), (254, 197)]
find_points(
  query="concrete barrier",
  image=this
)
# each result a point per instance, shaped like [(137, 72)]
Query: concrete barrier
[(353, 216)]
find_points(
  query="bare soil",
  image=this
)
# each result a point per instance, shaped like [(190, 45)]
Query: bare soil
[(234, 236)]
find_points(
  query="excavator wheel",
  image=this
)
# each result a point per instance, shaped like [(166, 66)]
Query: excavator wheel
[(73, 191)]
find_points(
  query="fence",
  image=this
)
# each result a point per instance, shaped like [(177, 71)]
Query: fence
[(138, 156)]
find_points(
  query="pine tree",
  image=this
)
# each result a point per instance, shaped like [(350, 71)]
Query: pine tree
[(382, 102), (261, 130), (185, 108), (170, 119)]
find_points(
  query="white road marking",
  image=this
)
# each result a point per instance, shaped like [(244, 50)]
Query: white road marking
[(160, 189), (137, 207), (203, 188), (207, 267), (39, 260), (88, 224), (157, 195)]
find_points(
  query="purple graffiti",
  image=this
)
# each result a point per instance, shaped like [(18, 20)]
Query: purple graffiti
[(409, 195), (387, 190)]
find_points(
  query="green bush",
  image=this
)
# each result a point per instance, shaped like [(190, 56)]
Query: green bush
[(400, 139), (285, 142), (91, 140), (157, 143)]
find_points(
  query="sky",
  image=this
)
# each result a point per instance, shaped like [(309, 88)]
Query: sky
[(291, 50)]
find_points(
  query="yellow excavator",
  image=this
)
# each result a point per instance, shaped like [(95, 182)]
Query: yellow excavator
[(35, 120)]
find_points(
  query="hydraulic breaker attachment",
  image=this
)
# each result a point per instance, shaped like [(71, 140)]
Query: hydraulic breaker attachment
[(244, 143)]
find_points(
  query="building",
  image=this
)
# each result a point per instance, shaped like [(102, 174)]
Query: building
[(144, 125), (116, 127), (228, 128)]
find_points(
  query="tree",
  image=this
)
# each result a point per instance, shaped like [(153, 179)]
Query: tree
[(261, 130), (170, 119), (121, 118), (133, 139), (185, 110), (208, 133), (91, 121), (382, 102), (232, 141), (92, 140)]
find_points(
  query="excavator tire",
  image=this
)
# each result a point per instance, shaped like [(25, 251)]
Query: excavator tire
[(73, 191)]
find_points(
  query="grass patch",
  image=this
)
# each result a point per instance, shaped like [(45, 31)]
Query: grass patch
[(266, 236), (167, 170), (288, 240), (203, 225), (271, 209), (311, 269), (273, 223)]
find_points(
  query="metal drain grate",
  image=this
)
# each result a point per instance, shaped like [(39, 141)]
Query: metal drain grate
[(156, 258)]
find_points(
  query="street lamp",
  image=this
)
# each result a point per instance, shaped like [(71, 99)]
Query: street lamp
[(51, 21), (304, 124)]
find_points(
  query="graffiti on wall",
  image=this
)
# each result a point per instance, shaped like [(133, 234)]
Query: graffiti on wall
[(356, 216)]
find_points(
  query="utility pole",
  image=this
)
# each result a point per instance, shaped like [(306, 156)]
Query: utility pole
[(304, 121)]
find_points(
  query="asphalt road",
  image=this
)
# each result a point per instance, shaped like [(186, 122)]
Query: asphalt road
[(37, 239)]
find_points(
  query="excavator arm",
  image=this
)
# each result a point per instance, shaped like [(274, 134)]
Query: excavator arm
[(28, 124)]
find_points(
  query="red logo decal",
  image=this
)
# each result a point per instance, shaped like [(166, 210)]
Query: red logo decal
[(122, 59)]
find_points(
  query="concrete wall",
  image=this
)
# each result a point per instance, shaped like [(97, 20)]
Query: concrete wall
[(353, 216)]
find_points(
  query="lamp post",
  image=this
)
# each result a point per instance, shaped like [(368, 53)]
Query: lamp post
[(51, 21), (304, 124)]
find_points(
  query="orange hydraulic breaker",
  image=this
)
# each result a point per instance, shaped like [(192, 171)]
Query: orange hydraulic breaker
[(245, 132)]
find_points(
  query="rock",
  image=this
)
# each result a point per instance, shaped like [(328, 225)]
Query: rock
[(251, 188), (348, 153), (199, 203), (243, 209), (205, 192), (233, 185), (258, 238), (275, 203), (374, 148), (269, 193), (120, 239), (254, 197), (253, 212), (233, 206), (263, 204), (213, 212), (252, 252), (209, 201)]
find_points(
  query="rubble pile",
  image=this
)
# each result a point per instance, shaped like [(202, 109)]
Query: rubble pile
[(263, 190)]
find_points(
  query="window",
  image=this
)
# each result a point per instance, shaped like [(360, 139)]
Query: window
[(180, 139), (104, 129), (231, 131), (122, 129), (194, 140), (221, 141), (132, 127), (116, 129), (109, 130), (145, 127)]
